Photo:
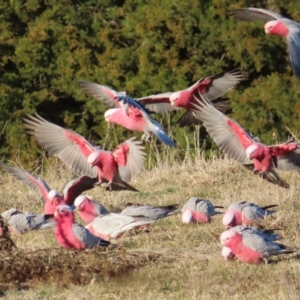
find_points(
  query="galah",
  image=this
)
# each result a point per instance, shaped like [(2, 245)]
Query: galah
[(245, 213), (279, 25), (72, 235), (88, 209), (268, 235), (252, 248), (127, 112), (113, 225), (20, 222), (212, 87), (115, 168), (198, 210), (239, 145), (52, 198)]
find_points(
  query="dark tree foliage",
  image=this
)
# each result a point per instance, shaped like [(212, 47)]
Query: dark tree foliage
[(142, 47)]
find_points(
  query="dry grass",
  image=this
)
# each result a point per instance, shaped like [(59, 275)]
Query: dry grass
[(174, 261)]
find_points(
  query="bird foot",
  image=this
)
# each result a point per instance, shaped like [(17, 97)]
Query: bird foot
[(146, 138)]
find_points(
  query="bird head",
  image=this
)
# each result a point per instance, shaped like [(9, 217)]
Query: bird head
[(174, 97), (93, 158), (63, 211), (187, 216), (109, 114), (251, 151), (276, 27), (227, 254), (80, 201), (55, 197), (226, 236), (229, 219)]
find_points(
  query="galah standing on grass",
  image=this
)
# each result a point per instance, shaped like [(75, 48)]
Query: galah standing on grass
[(20, 222), (245, 213), (268, 235), (279, 25), (88, 209), (252, 248), (128, 112), (239, 145), (212, 87), (52, 198), (198, 210), (70, 234), (115, 167), (113, 225)]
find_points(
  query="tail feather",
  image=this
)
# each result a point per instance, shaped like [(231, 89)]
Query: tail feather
[(162, 136)]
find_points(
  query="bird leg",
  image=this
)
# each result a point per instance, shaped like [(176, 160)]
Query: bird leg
[(265, 260), (146, 137)]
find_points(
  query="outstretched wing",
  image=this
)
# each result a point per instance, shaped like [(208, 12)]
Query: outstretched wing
[(130, 158), (37, 184), (72, 148), (100, 92), (227, 134), (253, 13)]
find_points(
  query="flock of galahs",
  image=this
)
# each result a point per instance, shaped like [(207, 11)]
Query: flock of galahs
[(115, 169)]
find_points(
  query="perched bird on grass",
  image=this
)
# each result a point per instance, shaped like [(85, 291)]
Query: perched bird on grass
[(198, 210)]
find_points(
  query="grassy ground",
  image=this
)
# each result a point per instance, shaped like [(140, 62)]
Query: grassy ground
[(190, 264)]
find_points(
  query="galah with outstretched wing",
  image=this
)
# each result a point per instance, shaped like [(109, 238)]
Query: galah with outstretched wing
[(72, 235), (113, 225), (252, 248), (20, 222), (198, 210), (129, 113), (52, 198), (279, 25), (115, 168), (239, 145), (212, 87), (88, 209), (244, 212)]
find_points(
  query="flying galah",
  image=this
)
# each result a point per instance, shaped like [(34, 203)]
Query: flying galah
[(198, 210), (88, 209), (127, 112), (239, 145), (20, 222), (245, 213), (116, 167), (251, 248), (52, 198), (71, 235), (279, 25), (212, 87), (268, 235), (113, 225)]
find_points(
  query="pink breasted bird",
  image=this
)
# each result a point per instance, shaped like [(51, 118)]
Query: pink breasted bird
[(52, 198), (128, 112), (268, 235), (115, 168), (113, 225), (88, 209), (198, 210), (251, 248), (72, 235), (279, 25), (212, 87), (20, 222), (245, 213), (239, 145)]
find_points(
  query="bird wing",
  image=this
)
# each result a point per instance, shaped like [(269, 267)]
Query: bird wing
[(130, 158), (217, 85), (159, 103), (293, 42), (100, 92), (72, 148), (37, 184), (227, 134), (77, 186), (288, 162), (253, 13)]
